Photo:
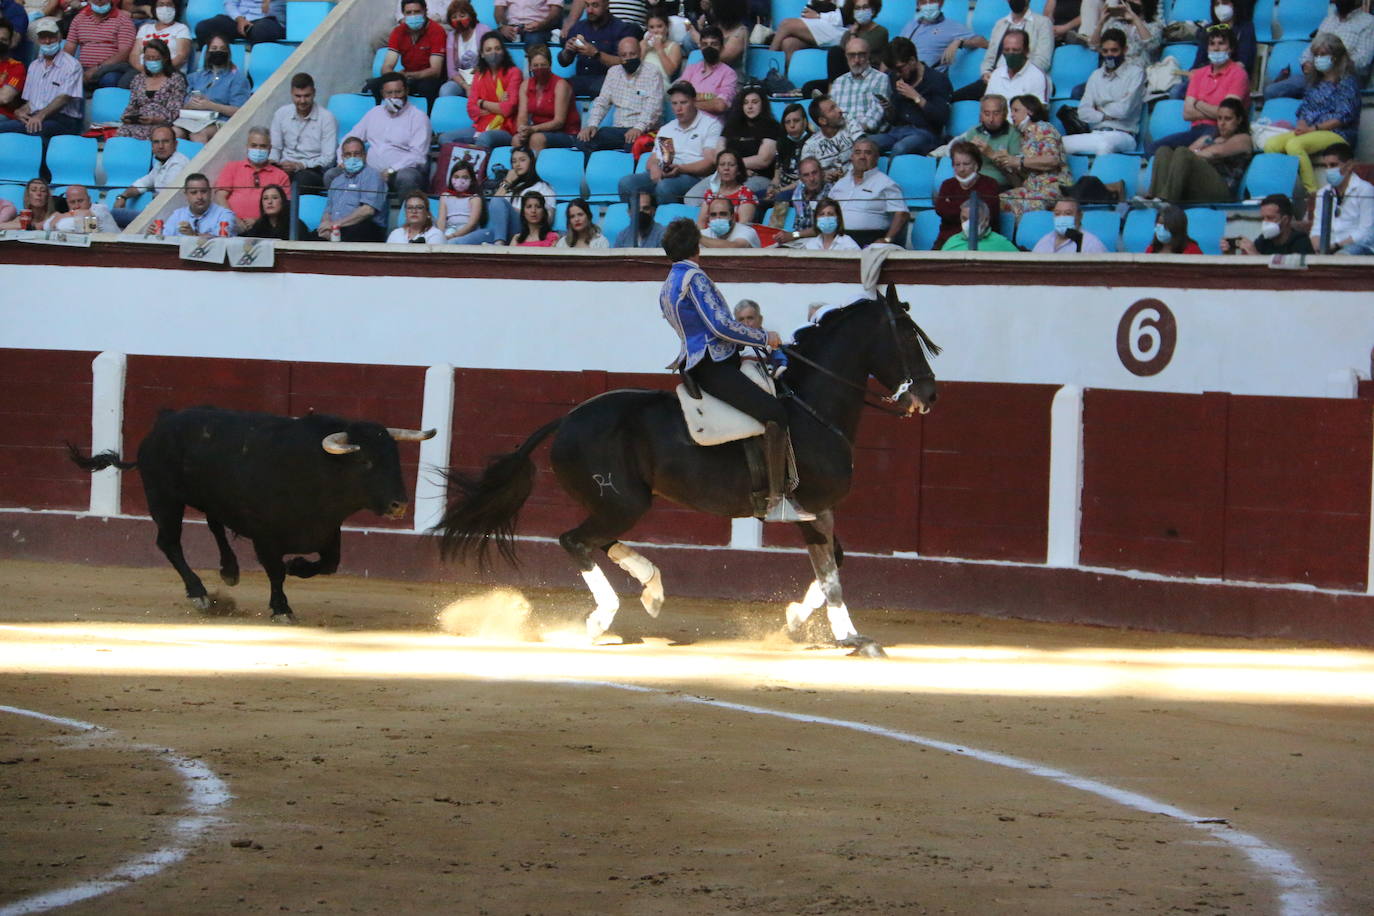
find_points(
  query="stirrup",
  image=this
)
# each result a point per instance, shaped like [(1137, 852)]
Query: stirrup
[(784, 509)]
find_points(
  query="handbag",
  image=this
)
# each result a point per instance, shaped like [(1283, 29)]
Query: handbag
[(1072, 123)]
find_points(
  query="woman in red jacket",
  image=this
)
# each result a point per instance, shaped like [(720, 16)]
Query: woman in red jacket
[(493, 98), (548, 114), (968, 178)]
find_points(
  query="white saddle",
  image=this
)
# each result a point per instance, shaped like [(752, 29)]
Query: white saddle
[(711, 421)]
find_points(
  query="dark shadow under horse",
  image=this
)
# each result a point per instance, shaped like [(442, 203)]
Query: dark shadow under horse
[(615, 452)]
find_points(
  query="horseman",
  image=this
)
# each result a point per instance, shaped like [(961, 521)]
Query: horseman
[(710, 357)]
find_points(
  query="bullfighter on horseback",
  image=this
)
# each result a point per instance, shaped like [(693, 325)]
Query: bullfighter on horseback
[(710, 357)]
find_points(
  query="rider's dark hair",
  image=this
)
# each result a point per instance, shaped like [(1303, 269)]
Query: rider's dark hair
[(682, 239)]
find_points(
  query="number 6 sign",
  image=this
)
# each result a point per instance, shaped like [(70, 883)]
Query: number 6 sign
[(1145, 337)]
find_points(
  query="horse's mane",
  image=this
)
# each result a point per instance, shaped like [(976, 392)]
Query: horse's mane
[(807, 338)]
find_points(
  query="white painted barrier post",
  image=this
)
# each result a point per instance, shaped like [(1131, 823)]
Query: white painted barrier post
[(1066, 476), (746, 533), (1369, 569), (437, 414), (107, 427)]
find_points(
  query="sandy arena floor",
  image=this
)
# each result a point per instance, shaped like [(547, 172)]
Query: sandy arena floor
[(383, 757)]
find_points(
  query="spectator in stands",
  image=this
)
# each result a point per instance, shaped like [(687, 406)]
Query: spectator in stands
[(536, 225), (1139, 19), (731, 17), (874, 209), (417, 225), (357, 197), (529, 20), (968, 180), (1277, 235), (938, 38), (582, 232), (157, 94), (1041, 165), (987, 239), (1239, 17), (1349, 22), (304, 136), (863, 94), (1209, 170), (167, 167), (396, 135), (218, 87), (1111, 103), (1222, 78), (100, 37), (1330, 109), (460, 208), (834, 138), (714, 80), (463, 47), (1350, 198), (802, 200), (723, 230), (657, 48), (175, 35), (1015, 70), (752, 131), (1171, 233), (997, 141), (201, 216), (15, 17), (255, 21), (38, 200), (12, 73), (643, 231), (748, 313), (240, 183), (594, 42), (434, 9), (636, 92), (830, 235), (493, 98), (1066, 17), (811, 30), (416, 49), (796, 130), (919, 106), (79, 211), (684, 152), (521, 179), (52, 90), (547, 115), (275, 221), (1067, 236), (728, 181)]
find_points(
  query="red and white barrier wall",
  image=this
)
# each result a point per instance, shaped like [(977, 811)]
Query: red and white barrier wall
[(1091, 458)]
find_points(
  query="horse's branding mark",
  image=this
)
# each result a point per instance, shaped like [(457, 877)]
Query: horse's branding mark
[(605, 482)]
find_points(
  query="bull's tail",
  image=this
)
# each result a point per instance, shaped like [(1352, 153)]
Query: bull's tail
[(99, 462), (487, 507)]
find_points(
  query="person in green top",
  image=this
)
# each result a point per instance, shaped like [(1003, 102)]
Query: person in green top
[(987, 239), (995, 138)]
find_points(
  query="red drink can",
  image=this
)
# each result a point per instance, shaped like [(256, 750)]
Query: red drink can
[(157, 227), (25, 218), (224, 230)]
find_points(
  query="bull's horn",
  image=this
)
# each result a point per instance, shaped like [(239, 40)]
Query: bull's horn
[(411, 435), (338, 444)]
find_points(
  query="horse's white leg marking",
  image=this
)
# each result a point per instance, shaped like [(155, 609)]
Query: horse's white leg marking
[(607, 602), (798, 612), (841, 627), (645, 572)]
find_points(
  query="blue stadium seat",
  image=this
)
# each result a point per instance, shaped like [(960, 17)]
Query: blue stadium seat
[(925, 229), (967, 67), (895, 15), (304, 17), (669, 212), (1006, 222), (265, 60), (962, 116), (616, 220), (562, 168), (806, 65), (759, 61), (238, 55), (348, 110), (1192, 11), (1206, 227), (1283, 54), (420, 102), (71, 160), (944, 170), (780, 105), (189, 148), (1104, 224), (198, 11), (916, 177), (1270, 173), (485, 10), (985, 16), (517, 56), (564, 71), (1264, 21), (1118, 167), (14, 193), (560, 217), (124, 160), (1166, 117), (605, 168), (1285, 110), (450, 113), (500, 156), (1078, 166), (693, 57), (1139, 231), (312, 210), (108, 104), (786, 9), (1033, 226), (20, 156), (378, 59), (1182, 55), (1071, 66), (1298, 19)]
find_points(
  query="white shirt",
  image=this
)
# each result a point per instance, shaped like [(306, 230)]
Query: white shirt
[(309, 140), (690, 143), (164, 174), (1053, 243), (840, 243), (1029, 80), (1356, 217), (431, 236), (170, 34), (870, 203), (65, 222), (741, 231)]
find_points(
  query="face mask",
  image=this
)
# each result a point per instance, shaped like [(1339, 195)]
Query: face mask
[(460, 183), (100, 9), (166, 14), (352, 164), (966, 227), (1224, 13), (711, 55), (218, 58), (863, 17), (493, 59), (257, 156), (1111, 63), (1270, 230), (1063, 224), (394, 105), (50, 50), (646, 221), (414, 23), (1021, 123), (827, 224), (1323, 63), (1334, 175), (631, 64), (966, 182), (153, 66), (1218, 57), (1162, 235), (930, 12), (4, 48), (720, 228), (1014, 61)]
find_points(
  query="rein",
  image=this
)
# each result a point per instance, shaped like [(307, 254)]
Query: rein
[(883, 407)]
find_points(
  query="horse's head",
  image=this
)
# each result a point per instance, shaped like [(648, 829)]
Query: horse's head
[(900, 357)]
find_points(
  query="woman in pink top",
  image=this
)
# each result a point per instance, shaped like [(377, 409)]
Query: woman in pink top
[(536, 226), (548, 115), (463, 43), (493, 97), (1222, 78)]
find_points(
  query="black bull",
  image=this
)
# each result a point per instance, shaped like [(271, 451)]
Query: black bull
[(286, 484)]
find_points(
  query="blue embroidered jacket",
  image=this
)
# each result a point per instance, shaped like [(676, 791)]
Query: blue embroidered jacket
[(698, 312)]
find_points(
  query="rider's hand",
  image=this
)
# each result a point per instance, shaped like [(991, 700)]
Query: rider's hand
[(774, 341)]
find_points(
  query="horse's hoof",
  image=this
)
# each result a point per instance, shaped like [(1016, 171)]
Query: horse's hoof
[(866, 648), (228, 577), (598, 623), (287, 619), (202, 602)]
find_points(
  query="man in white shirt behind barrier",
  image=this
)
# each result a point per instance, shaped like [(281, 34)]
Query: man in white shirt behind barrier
[(168, 165), (871, 202)]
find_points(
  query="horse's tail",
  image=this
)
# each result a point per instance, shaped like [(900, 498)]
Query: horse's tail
[(488, 506), (98, 462)]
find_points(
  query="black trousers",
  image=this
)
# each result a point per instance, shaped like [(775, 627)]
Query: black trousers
[(725, 381)]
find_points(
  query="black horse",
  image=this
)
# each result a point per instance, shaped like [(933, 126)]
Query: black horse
[(615, 452)]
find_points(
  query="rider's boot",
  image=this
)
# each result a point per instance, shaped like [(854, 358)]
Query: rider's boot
[(781, 508)]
